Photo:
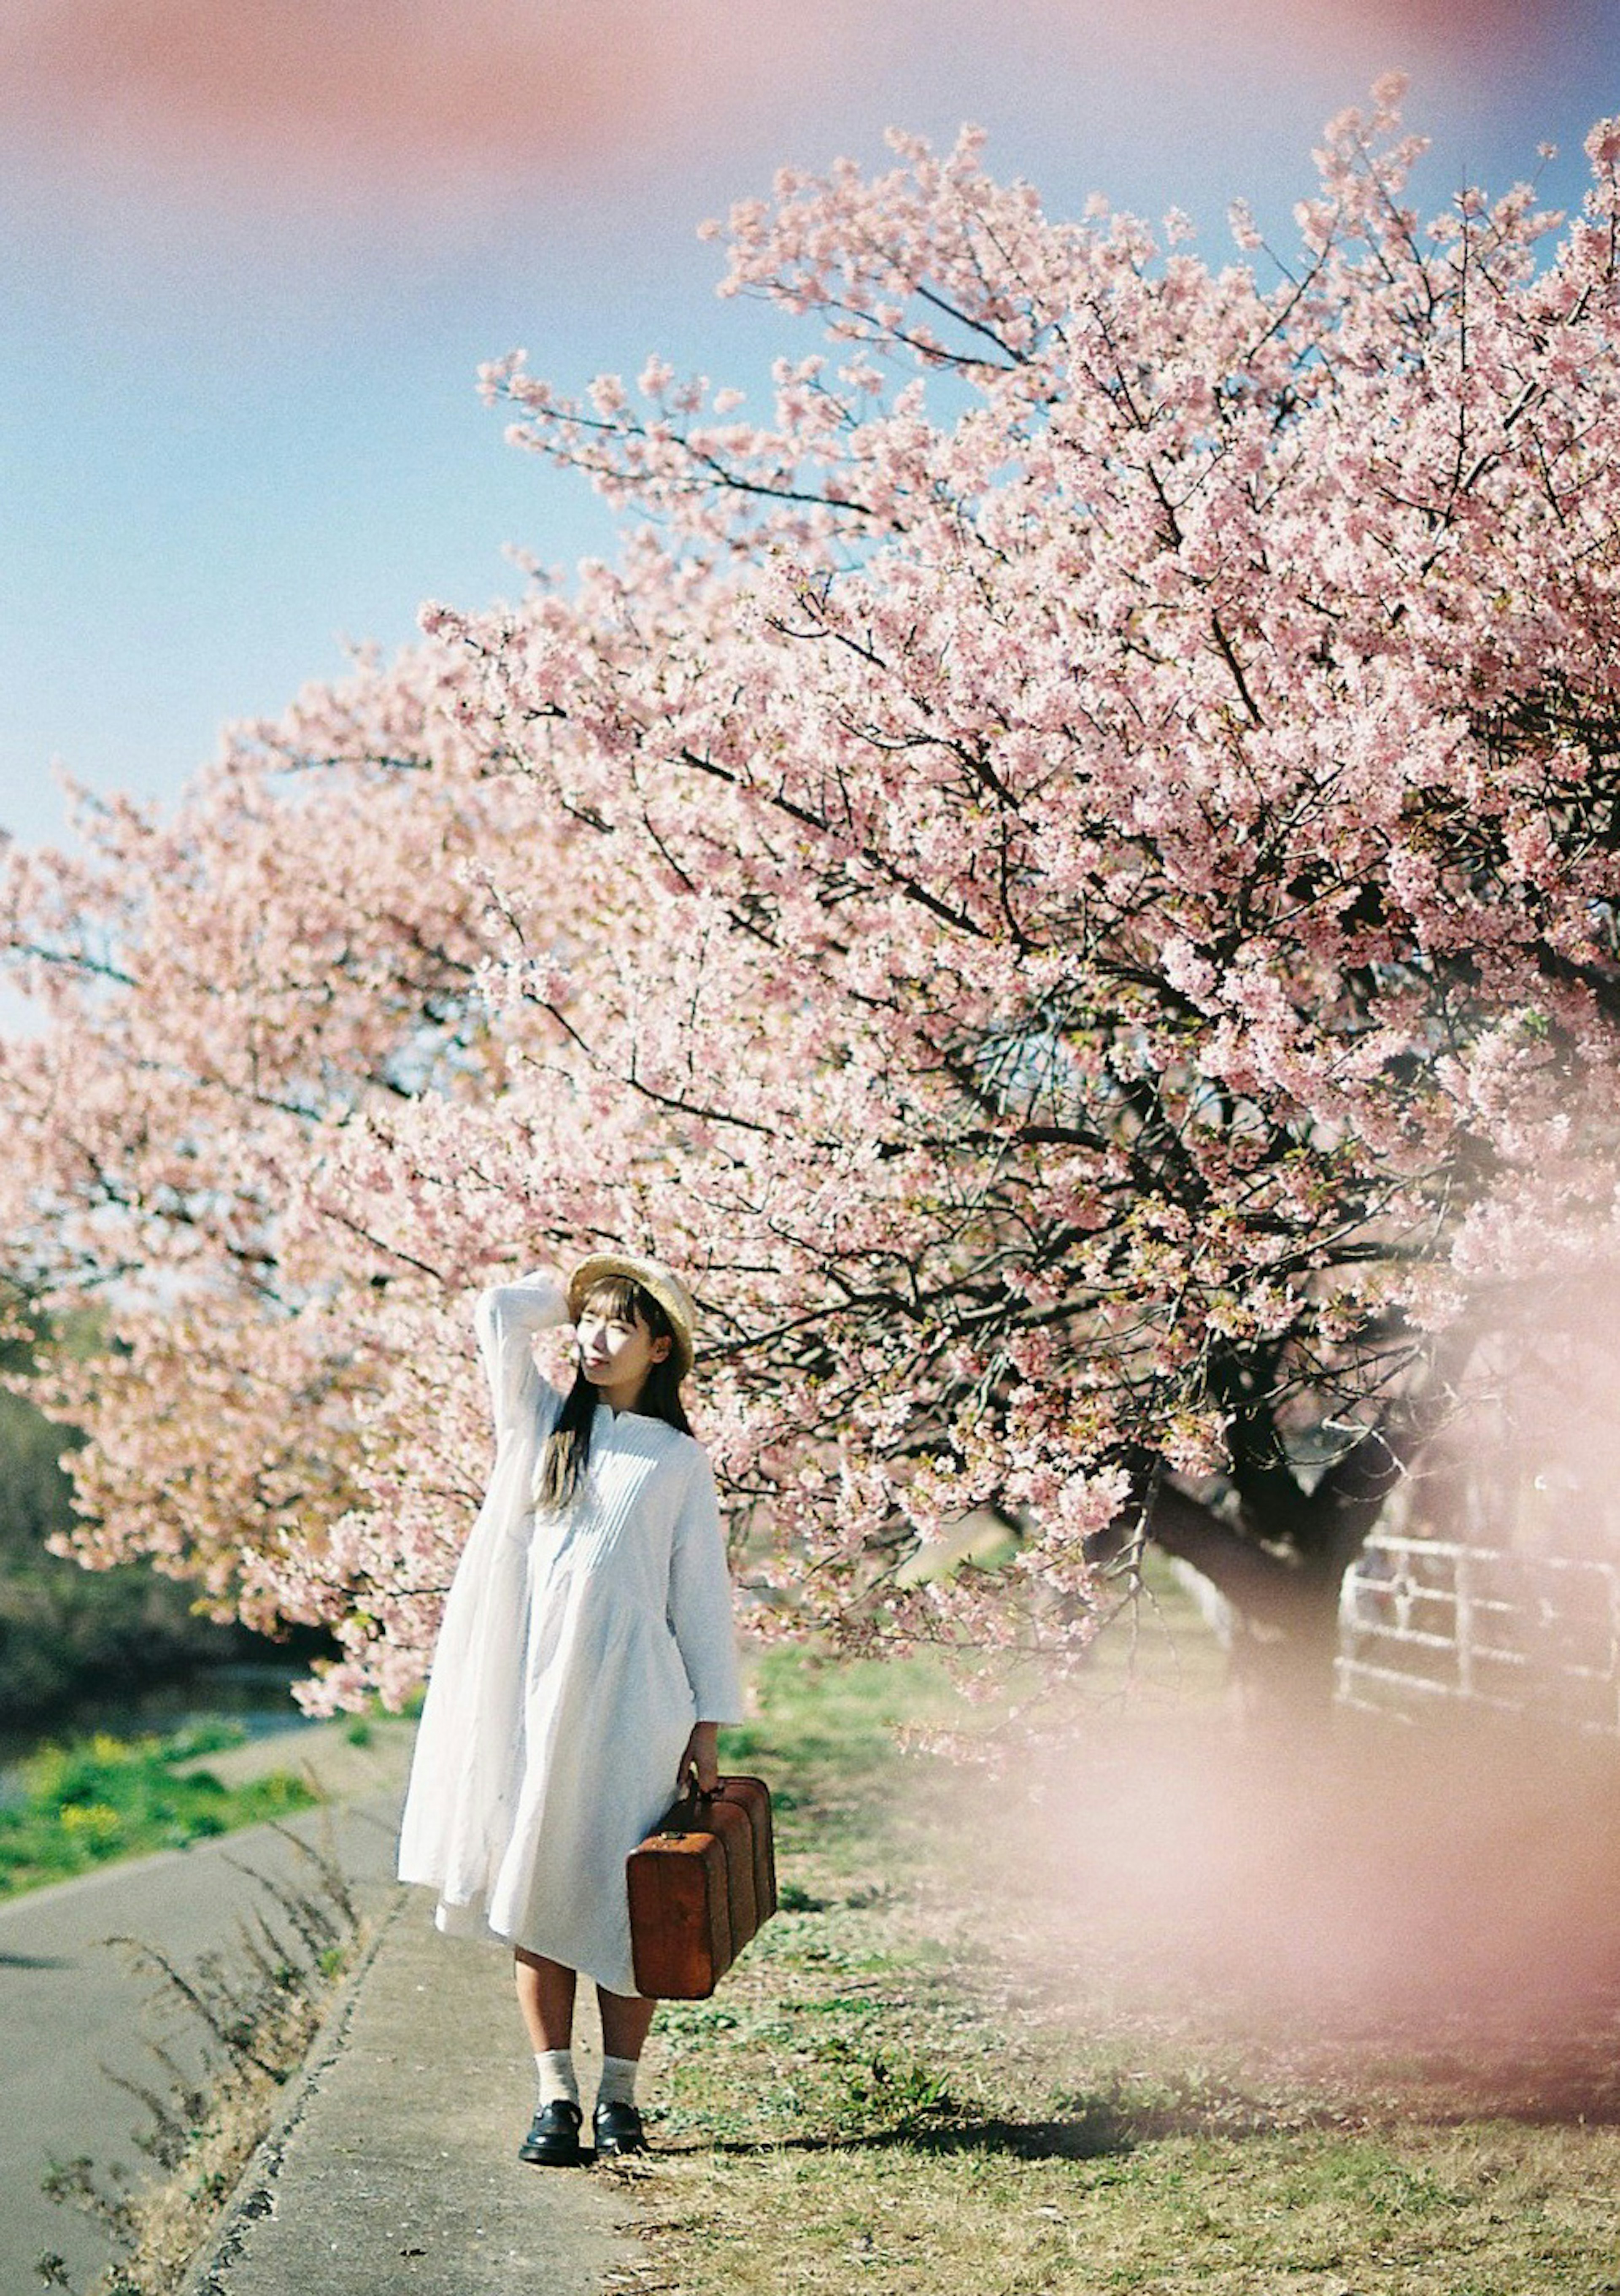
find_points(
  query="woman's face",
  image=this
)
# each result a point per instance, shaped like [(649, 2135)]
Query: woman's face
[(616, 1352)]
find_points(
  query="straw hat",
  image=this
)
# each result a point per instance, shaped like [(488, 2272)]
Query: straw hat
[(665, 1286)]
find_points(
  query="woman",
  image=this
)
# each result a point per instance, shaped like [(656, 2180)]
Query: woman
[(584, 1665)]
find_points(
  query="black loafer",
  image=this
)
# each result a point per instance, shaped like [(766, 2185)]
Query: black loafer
[(617, 2128), (553, 2141)]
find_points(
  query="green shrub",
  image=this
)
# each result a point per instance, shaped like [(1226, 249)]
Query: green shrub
[(100, 1798)]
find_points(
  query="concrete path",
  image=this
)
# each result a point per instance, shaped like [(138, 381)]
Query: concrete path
[(396, 2172), (393, 2167), (70, 2006)]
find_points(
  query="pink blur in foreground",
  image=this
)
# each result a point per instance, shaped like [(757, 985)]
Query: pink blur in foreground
[(369, 99), (1375, 1884)]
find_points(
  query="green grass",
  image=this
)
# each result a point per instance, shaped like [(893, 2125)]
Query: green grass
[(891, 2090), (101, 1798)]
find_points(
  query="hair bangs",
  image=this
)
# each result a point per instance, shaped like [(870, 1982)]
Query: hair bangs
[(622, 1295)]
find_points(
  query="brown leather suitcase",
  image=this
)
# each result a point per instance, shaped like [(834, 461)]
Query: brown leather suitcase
[(699, 1888), (754, 1795)]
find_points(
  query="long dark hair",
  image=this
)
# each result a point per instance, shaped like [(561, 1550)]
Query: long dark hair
[(562, 1462)]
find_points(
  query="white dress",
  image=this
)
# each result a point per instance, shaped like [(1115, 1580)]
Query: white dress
[(576, 1651)]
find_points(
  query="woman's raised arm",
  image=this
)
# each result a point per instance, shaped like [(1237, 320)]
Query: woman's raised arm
[(506, 1318)]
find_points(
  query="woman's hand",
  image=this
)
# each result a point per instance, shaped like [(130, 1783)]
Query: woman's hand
[(701, 1755)]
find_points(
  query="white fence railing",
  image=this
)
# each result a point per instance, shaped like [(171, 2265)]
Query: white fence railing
[(1424, 1622)]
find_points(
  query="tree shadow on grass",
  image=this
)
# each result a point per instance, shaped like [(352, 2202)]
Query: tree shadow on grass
[(1504, 2060), (1091, 2127), (1023, 2140), (1572, 2085), (1104, 2123)]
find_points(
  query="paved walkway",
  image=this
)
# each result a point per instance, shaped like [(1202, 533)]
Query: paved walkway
[(72, 2008), (396, 2168)]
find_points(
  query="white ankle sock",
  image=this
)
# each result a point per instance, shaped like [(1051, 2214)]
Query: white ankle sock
[(617, 2083), (555, 2068)]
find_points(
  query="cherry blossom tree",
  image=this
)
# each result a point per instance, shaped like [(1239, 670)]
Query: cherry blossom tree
[(216, 993), (1067, 874)]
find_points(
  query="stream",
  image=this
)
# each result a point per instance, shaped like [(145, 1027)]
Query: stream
[(255, 1695)]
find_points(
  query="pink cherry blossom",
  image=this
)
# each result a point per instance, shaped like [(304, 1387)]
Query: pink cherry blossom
[(1064, 874)]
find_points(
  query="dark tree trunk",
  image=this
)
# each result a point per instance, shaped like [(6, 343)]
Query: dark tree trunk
[(1286, 1606), (1283, 1574)]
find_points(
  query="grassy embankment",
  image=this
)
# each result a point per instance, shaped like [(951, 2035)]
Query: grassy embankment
[(103, 1797), (942, 2069)]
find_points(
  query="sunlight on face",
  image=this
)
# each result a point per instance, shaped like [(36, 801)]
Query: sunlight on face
[(617, 1350)]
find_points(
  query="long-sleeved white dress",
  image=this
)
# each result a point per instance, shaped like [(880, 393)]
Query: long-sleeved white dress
[(576, 1651)]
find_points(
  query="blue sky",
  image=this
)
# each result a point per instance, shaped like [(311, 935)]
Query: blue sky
[(247, 282)]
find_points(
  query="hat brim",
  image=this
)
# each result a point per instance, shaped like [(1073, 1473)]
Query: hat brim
[(665, 1286)]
